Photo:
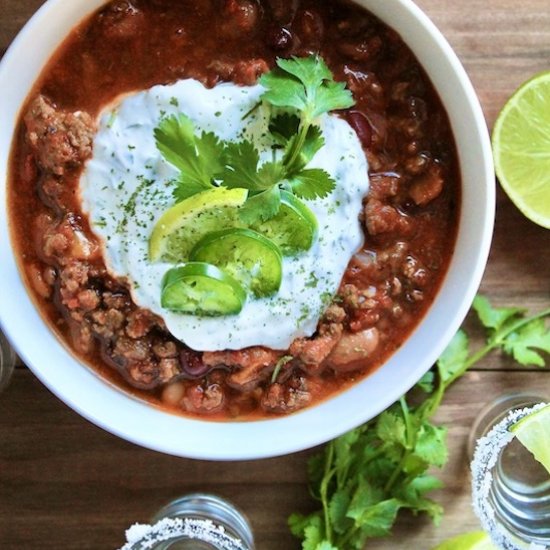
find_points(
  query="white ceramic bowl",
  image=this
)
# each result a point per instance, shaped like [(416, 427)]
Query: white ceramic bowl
[(115, 411)]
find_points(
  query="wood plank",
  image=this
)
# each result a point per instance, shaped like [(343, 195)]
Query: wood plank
[(56, 469)]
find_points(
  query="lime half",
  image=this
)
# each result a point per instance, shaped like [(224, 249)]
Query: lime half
[(186, 223), (521, 147), (477, 540), (533, 431)]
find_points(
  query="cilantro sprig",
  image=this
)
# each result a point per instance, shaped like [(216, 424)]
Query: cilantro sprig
[(364, 478), (306, 85), (300, 90)]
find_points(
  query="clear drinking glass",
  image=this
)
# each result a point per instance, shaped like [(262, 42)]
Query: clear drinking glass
[(193, 522), (510, 489), (7, 362)]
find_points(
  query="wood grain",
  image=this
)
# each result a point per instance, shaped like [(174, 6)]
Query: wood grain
[(65, 483)]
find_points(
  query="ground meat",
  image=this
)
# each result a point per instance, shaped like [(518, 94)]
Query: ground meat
[(384, 186), (121, 21), (65, 241), (165, 349), (334, 314), (207, 399), (82, 336), (140, 322), (427, 187), (384, 218), (60, 140), (107, 322), (245, 72), (253, 365), (313, 351), (286, 398), (132, 350), (88, 299)]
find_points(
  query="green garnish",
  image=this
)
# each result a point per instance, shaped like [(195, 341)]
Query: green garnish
[(365, 477), (303, 86), (306, 85), (198, 158)]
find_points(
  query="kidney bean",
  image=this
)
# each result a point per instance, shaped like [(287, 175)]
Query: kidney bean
[(310, 27), (363, 50), (192, 365), (362, 127), (279, 38)]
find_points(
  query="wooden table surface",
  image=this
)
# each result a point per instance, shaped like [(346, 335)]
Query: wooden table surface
[(65, 483)]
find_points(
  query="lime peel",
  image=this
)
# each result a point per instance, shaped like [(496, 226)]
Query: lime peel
[(477, 540), (521, 148), (185, 223)]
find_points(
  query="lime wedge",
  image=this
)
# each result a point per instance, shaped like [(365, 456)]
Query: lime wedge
[(477, 540), (533, 431), (187, 222), (521, 147)]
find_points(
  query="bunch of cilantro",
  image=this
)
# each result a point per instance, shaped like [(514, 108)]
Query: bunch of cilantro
[(365, 477), (301, 90)]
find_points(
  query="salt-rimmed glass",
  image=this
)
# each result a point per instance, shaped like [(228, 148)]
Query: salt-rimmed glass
[(7, 362), (510, 489), (193, 522)]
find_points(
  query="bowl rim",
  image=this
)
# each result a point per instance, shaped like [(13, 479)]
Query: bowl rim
[(117, 411)]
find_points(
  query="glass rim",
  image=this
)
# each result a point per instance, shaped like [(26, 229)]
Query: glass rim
[(486, 455)]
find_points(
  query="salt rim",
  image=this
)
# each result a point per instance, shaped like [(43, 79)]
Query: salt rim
[(486, 454), (144, 536)]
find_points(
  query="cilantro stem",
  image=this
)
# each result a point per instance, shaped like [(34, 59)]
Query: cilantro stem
[(494, 342), (329, 472), (249, 112), (298, 144), (410, 445)]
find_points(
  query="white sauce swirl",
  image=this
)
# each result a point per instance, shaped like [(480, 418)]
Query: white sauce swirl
[(126, 187)]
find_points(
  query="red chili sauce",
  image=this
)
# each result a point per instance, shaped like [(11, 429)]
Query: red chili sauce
[(409, 216)]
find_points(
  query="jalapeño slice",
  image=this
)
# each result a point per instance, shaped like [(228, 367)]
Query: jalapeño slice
[(293, 229), (250, 258), (199, 288)]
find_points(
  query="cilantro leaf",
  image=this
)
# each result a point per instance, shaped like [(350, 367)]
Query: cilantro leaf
[(284, 127), (332, 96), (174, 137), (522, 343), (369, 474), (338, 508), (312, 183), (431, 444), (453, 358), (312, 143), (377, 519), (283, 90), (197, 157), (494, 318), (261, 206), (241, 168), (391, 428), (306, 84), (426, 383), (186, 187), (325, 545)]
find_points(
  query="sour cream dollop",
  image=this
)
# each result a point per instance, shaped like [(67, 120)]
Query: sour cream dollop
[(126, 186)]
